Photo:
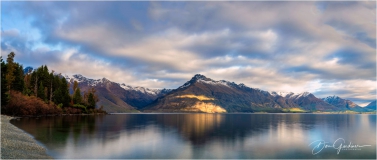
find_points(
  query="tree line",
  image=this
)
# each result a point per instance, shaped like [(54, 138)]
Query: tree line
[(41, 92)]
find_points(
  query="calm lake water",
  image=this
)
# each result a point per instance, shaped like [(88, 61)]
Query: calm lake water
[(206, 135)]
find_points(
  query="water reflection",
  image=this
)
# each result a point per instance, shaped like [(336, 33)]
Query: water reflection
[(201, 135)]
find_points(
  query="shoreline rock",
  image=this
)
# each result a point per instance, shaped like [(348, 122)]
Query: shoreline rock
[(17, 144)]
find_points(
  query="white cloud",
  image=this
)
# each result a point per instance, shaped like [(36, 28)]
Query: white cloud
[(276, 46)]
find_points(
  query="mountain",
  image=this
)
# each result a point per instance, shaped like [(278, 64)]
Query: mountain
[(371, 105), (139, 97), (117, 97), (306, 101), (202, 94), (282, 98), (28, 70), (343, 104)]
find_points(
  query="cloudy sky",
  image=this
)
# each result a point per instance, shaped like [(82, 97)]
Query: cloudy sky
[(327, 48)]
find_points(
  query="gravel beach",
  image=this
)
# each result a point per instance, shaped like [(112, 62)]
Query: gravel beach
[(16, 144)]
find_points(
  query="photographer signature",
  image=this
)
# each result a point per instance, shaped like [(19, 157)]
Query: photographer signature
[(339, 144)]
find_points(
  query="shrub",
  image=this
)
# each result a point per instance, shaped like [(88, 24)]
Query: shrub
[(21, 105), (82, 107), (71, 110)]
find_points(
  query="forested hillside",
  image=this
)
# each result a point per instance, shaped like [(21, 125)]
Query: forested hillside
[(41, 92)]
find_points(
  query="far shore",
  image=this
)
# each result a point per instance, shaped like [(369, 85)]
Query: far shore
[(17, 144), (245, 113), (177, 112), (57, 115)]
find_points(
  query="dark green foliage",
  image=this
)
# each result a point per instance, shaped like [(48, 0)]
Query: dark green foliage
[(41, 91), (77, 99), (66, 98), (58, 98), (60, 91), (26, 90), (4, 95), (82, 107), (52, 86), (34, 83), (18, 83), (91, 101)]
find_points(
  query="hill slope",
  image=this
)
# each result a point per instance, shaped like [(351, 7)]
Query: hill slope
[(371, 105)]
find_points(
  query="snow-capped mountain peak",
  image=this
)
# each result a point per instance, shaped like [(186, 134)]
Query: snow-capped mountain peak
[(290, 95), (339, 102), (95, 82), (198, 78), (141, 89), (210, 81), (282, 94), (304, 94), (299, 95), (330, 98), (79, 78)]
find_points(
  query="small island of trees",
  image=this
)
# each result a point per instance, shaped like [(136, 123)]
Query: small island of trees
[(41, 92)]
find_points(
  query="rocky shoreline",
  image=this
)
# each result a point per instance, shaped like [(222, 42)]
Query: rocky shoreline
[(17, 144)]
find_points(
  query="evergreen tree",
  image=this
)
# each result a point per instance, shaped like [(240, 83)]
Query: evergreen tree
[(4, 95), (91, 101), (36, 78), (64, 88), (51, 86), (58, 97), (77, 99), (41, 91), (18, 83), (10, 70), (42, 84), (27, 88)]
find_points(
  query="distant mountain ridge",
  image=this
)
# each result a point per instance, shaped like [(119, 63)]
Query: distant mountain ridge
[(371, 105), (203, 94), (307, 101), (117, 97), (340, 102)]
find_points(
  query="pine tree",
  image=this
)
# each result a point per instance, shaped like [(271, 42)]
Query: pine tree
[(27, 82), (18, 83), (64, 88), (10, 70), (51, 79), (58, 97), (41, 91), (77, 99), (91, 101), (4, 95)]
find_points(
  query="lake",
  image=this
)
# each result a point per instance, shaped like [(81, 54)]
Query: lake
[(192, 136)]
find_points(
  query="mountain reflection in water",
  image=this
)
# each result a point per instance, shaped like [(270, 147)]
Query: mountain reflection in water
[(201, 135)]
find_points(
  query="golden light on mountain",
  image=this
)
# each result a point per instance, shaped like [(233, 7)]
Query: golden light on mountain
[(206, 107), (199, 97)]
